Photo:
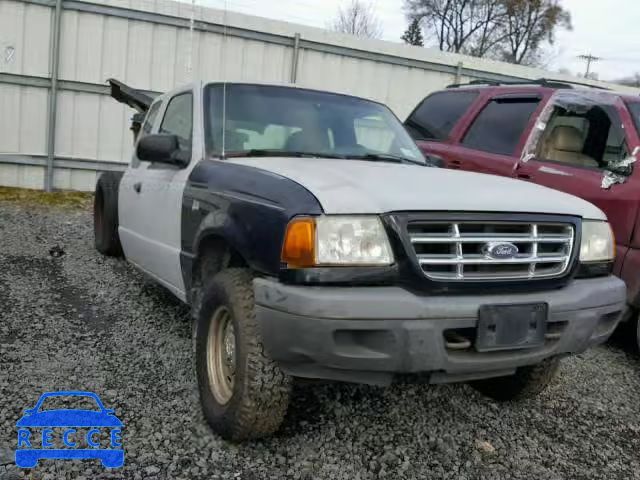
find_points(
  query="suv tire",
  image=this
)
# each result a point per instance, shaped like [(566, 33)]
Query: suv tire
[(638, 332), (527, 382), (105, 215), (244, 394)]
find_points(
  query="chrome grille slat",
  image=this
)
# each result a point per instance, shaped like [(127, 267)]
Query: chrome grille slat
[(487, 261), (463, 239), (453, 250)]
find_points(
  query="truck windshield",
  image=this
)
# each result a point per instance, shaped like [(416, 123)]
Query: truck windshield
[(634, 108), (258, 120)]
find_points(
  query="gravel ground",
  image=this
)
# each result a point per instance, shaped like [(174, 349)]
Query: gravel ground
[(83, 322)]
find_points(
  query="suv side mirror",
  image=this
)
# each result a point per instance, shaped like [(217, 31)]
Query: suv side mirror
[(625, 166), (435, 161), (159, 148)]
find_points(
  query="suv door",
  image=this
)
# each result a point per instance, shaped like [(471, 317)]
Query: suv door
[(155, 239), (495, 136), (582, 135)]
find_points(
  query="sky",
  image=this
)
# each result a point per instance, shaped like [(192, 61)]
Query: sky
[(608, 29)]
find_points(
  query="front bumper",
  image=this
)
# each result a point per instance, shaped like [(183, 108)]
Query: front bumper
[(372, 334)]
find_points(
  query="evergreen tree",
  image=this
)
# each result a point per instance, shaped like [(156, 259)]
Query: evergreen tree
[(413, 34)]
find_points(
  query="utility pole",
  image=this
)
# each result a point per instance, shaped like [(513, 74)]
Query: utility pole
[(588, 58)]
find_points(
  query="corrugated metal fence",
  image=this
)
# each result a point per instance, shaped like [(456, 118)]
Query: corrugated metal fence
[(58, 126)]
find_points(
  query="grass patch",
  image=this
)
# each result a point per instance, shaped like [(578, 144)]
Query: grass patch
[(62, 199)]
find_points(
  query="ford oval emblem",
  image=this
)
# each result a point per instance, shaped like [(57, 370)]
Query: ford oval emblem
[(500, 250)]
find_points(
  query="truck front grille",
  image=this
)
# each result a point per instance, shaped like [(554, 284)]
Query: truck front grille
[(461, 251)]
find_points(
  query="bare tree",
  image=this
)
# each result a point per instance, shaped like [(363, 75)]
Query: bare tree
[(529, 23), (460, 26), (358, 19), (511, 30)]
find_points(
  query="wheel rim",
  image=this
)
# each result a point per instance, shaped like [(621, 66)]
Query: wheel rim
[(221, 355)]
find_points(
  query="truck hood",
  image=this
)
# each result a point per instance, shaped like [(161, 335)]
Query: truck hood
[(361, 187)]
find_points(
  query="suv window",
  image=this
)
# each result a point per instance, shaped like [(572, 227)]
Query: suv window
[(500, 125), (178, 119), (592, 137), (151, 118), (634, 108), (438, 114)]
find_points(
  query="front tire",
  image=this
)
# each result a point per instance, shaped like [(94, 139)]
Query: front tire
[(244, 394), (527, 382)]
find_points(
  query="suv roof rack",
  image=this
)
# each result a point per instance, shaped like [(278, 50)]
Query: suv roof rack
[(543, 82)]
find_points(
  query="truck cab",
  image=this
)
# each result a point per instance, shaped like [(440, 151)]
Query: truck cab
[(312, 240), (582, 141)]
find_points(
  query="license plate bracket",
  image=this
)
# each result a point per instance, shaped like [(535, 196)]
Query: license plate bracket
[(511, 327)]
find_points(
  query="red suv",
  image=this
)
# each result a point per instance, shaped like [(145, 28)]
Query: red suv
[(583, 141)]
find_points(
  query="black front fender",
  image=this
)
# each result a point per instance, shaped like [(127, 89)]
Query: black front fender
[(249, 208)]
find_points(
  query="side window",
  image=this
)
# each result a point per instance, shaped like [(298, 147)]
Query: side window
[(151, 118), (500, 125), (178, 119), (587, 137), (634, 109), (438, 114)]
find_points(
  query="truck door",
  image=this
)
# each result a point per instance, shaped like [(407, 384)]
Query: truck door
[(151, 237), (577, 140), (130, 207)]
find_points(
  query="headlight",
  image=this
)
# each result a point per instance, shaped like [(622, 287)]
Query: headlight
[(336, 240), (352, 241), (598, 244)]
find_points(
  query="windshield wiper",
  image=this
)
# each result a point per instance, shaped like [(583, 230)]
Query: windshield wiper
[(273, 152), (386, 157)]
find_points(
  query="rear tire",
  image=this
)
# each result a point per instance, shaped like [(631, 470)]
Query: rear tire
[(527, 382), (244, 394), (105, 215)]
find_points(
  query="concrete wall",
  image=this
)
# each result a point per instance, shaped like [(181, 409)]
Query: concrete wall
[(148, 44)]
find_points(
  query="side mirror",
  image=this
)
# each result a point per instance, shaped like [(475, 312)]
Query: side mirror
[(435, 161), (620, 168), (160, 148), (623, 167), (619, 171)]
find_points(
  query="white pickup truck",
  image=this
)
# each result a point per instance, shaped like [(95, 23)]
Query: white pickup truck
[(313, 240)]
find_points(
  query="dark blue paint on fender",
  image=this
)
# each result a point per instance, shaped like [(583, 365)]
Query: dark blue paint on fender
[(248, 207)]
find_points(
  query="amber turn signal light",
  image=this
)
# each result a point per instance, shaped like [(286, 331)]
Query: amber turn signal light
[(298, 250)]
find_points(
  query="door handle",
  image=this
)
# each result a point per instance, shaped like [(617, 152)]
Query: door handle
[(137, 186), (455, 164), (524, 176)]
